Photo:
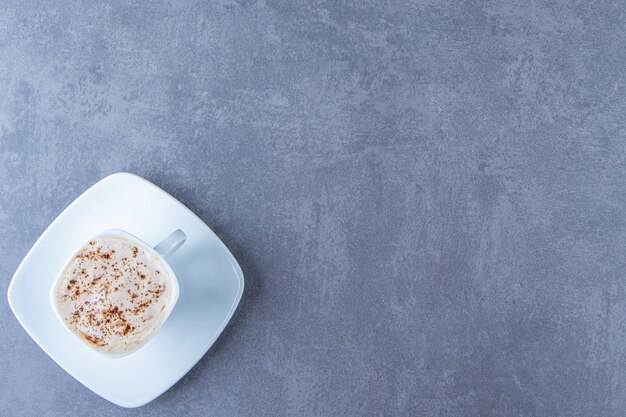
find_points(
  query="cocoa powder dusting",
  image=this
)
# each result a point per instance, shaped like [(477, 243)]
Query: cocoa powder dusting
[(98, 311)]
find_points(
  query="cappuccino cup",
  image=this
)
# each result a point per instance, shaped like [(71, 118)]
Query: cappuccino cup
[(116, 291)]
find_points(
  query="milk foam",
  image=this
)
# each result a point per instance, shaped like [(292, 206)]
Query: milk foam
[(114, 294)]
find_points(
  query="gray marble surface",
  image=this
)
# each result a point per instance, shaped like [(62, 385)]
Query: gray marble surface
[(427, 198)]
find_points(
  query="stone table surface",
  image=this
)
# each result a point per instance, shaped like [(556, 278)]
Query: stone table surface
[(427, 198)]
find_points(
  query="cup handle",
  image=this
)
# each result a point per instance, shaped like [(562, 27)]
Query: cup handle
[(170, 244)]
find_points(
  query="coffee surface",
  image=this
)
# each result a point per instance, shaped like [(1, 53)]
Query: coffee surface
[(114, 294)]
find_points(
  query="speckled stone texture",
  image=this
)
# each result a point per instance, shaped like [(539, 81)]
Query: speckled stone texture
[(427, 199)]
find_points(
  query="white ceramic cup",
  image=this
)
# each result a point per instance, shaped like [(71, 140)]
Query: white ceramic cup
[(161, 251)]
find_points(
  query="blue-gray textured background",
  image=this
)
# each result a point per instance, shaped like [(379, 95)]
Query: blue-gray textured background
[(426, 198)]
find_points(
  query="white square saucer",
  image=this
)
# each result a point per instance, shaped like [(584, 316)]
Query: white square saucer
[(211, 285)]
